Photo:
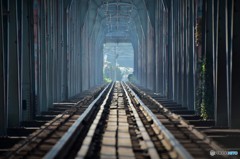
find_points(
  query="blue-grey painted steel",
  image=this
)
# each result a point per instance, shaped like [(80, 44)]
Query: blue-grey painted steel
[(150, 57), (192, 63), (27, 57), (42, 84), (3, 117), (13, 71), (170, 52), (235, 84), (222, 89), (184, 53)]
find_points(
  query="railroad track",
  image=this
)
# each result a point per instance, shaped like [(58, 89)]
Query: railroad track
[(183, 124), (117, 124), (56, 123)]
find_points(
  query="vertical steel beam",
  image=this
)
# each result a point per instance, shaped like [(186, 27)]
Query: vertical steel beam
[(209, 53), (150, 56), (191, 71), (77, 46), (157, 10), (65, 52), (188, 52), (184, 54), (70, 53), (215, 39), (49, 53), (84, 59), (164, 50), (3, 117), (74, 48), (54, 51), (180, 51), (32, 61), (183, 51), (229, 54), (222, 98), (235, 78), (139, 61), (14, 104), (43, 57), (145, 58), (175, 50), (50, 85), (60, 11), (136, 56), (27, 60), (160, 72), (79, 42), (101, 63), (170, 52)]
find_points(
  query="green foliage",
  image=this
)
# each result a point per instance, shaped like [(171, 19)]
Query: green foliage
[(204, 94), (107, 80), (203, 68), (200, 91), (208, 90), (204, 113)]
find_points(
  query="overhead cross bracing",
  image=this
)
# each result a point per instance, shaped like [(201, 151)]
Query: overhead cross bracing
[(43, 35), (120, 20)]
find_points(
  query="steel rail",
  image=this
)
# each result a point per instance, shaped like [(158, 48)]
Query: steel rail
[(184, 122), (89, 137), (59, 146), (50, 123), (181, 151), (150, 146)]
